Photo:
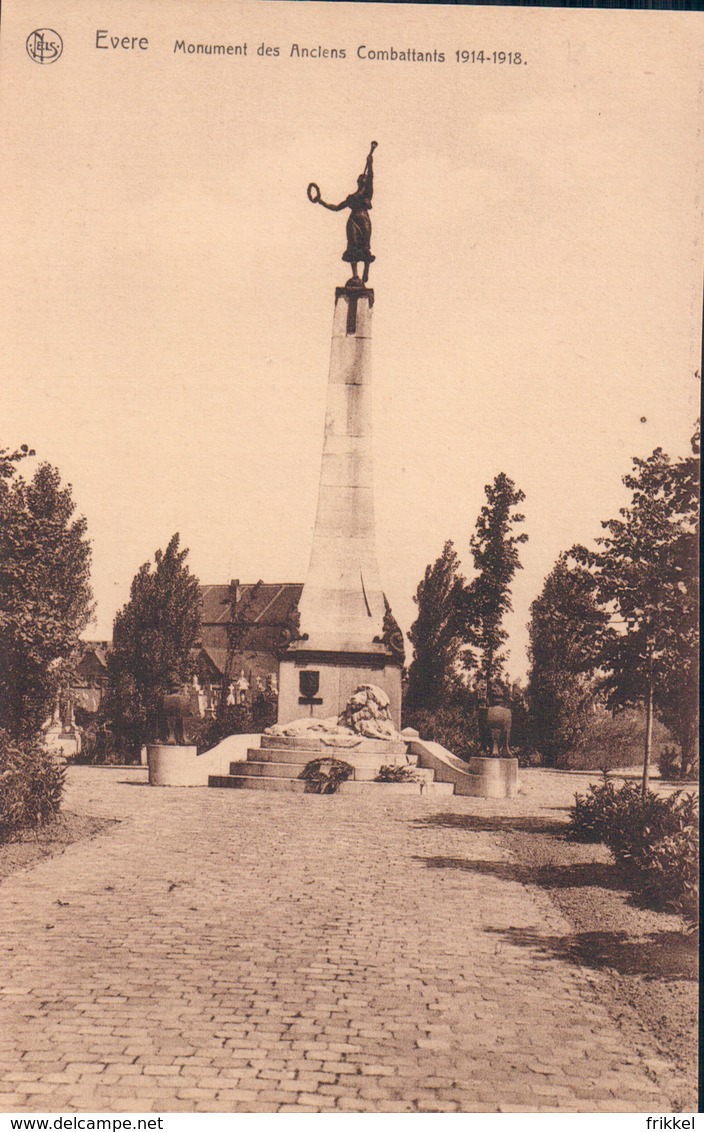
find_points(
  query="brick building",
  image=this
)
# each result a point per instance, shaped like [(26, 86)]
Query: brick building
[(259, 617)]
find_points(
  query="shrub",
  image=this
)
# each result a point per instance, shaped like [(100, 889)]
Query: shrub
[(670, 765), (397, 774), (657, 847), (99, 747), (607, 741), (654, 840), (594, 813), (31, 784), (529, 758), (669, 869), (236, 719), (264, 711), (325, 775), (456, 729)]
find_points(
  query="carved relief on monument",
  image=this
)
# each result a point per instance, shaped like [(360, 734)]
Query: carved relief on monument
[(366, 716), (392, 636)]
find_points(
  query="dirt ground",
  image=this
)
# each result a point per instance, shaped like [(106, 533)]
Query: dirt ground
[(35, 845), (649, 960)]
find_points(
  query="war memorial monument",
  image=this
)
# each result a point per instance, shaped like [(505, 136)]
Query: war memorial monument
[(341, 660)]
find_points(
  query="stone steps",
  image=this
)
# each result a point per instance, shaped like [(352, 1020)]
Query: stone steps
[(251, 782), (267, 769), (316, 746), (263, 769), (345, 754), (352, 786), (277, 765), (396, 789)]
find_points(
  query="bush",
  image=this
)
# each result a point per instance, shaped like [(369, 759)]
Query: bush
[(529, 758), (594, 813), (100, 748), (454, 727), (264, 711), (607, 741), (397, 774), (325, 775), (657, 847), (236, 719), (654, 840), (31, 784), (669, 867), (670, 765)]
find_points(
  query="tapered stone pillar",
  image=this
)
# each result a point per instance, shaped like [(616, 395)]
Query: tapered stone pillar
[(348, 636)]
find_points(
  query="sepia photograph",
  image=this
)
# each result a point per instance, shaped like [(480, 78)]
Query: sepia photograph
[(349, 577)]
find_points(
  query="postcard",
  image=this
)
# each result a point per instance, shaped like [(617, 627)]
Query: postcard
[(345, 323)]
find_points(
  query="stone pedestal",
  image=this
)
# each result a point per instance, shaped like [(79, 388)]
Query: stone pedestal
[(345, 623), (62, 742), (340, 674), (494, 778), (173, 766)]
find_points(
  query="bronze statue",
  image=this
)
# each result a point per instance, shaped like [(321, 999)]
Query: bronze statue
[(179, 707), (498, 721), (359, 226), (495, 717)]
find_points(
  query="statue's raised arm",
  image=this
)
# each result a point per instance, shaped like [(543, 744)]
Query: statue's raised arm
[(369, 171), (359, 226)]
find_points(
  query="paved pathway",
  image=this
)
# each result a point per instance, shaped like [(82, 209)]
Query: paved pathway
[(227, 951)]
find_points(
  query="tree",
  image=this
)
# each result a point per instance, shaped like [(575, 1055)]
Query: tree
[(436, 634), (564, 630), (45, 594), (677, 676), (153, 639), (646, 573), (238, 628), (487, 599), (9, 459)]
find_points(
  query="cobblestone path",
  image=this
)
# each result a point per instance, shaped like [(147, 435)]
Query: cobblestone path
[(227, 951)]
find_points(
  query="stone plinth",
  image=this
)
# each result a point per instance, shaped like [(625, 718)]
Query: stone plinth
[(321, 747), (342, 607), (494, 778), (62, 743), (478, 778), (339, 675), (174, 766)]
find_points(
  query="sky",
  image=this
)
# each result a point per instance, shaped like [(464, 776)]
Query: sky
[(168, 288)]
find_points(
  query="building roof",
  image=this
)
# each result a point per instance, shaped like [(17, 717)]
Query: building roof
[(98, 649), (267, 608), (272, 604)]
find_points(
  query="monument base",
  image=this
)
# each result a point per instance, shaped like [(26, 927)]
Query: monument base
[(66, 744), (173, 766), (339, 676), (280, 762), (494, 778), (478, 778)]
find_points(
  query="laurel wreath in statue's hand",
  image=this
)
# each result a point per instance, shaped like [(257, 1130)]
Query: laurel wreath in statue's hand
[(313, 193)]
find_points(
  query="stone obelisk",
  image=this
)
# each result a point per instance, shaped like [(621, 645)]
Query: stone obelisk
[(347, 635)]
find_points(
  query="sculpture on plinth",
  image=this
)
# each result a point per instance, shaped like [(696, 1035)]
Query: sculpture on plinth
[(180, 706), (366, 716), (359, 226), (495, 718)]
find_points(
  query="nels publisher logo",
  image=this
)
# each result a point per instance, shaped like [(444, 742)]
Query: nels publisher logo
[(44, 45)]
